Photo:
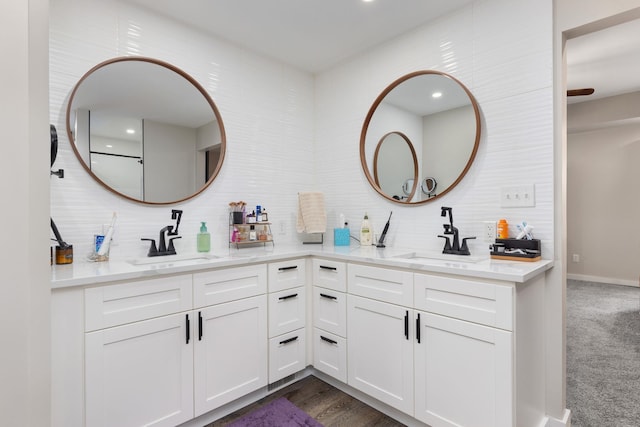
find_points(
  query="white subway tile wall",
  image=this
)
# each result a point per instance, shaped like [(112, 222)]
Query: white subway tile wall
[(289, 130)]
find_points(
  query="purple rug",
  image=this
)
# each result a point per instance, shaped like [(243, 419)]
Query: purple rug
[(278, 413)]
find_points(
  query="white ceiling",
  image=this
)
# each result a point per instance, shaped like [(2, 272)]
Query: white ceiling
[(607, 60), (313, 35)]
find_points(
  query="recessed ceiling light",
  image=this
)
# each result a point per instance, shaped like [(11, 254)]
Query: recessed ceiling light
[(367, 1), (131, 131), (109, 146), (436, 94)]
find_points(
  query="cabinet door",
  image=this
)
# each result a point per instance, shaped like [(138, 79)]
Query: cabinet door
[(330, 354), (140, 373), (229, 284), (464, 374), (230, 352), (286, 274), (330, 274), (287, 311), (287, 354), (330, 310), (380, 351), (383, 284)]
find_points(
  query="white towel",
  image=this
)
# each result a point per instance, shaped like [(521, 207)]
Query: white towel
[(312, 217)]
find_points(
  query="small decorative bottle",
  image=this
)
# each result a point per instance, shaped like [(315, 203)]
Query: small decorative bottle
[(204, 239), (503, 229)]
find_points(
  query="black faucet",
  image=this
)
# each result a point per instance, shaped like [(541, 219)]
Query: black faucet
[(453, 247), (162, 248)]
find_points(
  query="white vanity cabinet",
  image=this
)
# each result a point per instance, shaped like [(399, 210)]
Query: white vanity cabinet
[(380, 353), (438, 348), (330, 318), (230, 353), (287, 318), (138, 357), (161, 351), (464, 352)]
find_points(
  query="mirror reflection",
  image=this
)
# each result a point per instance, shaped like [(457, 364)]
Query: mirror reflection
[(395, 166), (440, 120), (146, 130)]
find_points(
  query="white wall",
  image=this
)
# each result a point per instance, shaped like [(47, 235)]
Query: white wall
[(603, 206), (266, 107), (24, 256), (169, 149), (270, 115), (481, 45), (572, 18)]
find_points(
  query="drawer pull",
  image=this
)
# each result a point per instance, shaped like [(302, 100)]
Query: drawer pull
[(199, 326), (418, 328), (287, 341), (288, 297), (330, 341), (188, 328), (406, 324), (328, 296), (293, 267), (324, 267)]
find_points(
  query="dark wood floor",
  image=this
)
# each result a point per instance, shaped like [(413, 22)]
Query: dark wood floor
[(325, 403)]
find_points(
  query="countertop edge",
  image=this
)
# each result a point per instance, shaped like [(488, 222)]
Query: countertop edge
[(84, 273)]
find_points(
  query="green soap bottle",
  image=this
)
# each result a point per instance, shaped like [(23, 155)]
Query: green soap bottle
[(204, 239)]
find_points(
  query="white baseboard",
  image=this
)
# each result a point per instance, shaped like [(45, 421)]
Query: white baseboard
[(564, 422), (607, 280)]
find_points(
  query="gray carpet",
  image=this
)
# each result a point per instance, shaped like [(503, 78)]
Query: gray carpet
[(603, 354)]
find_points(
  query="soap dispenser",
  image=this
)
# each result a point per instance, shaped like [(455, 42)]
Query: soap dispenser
[(204, 239), (365, 232)]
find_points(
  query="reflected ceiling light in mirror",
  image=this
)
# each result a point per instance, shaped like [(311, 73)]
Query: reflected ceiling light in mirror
[(445, 133)]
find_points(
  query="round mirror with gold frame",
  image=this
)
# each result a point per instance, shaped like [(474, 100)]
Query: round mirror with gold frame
[(440, 120), (146, 130)]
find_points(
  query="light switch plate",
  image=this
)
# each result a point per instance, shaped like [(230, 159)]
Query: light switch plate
[(518, 196)]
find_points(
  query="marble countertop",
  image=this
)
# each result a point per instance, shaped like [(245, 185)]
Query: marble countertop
[(86, 273)]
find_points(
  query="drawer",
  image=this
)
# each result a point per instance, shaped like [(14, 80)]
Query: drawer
[(330, 274), (392, 286), (286, 310), (286, 274), (330, 310), (330, 354), (113, 305), (475, 301), (287, 354), (218, 286)]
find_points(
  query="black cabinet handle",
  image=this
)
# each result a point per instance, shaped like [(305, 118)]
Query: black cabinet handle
[(330, 341), (324, 267), (418, 328), (406, 324), (293, 267), (188, 328), (288, 297), (328, 296), (199, 326), (287, 341)]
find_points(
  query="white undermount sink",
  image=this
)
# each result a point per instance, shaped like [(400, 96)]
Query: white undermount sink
[(172, 259), (429, 256)]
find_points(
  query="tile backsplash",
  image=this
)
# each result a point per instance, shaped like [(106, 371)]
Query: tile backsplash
[(289, 130)]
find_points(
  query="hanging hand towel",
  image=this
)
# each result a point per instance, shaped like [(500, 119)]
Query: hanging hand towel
[(312, 217)]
